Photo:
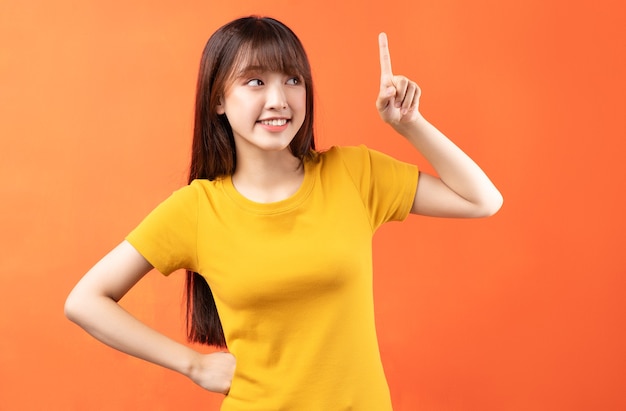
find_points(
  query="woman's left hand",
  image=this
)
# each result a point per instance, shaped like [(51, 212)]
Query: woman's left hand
[(398, 99)]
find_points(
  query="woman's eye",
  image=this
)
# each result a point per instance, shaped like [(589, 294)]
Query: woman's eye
[(293, 81), (255, 82)]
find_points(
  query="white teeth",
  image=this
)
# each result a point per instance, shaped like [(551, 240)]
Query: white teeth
[(275, 122)]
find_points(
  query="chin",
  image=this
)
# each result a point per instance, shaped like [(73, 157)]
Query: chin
[(271, 144), (274, 145), (276, 148)]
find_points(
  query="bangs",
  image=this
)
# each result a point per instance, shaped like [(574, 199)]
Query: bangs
[(270, 50)]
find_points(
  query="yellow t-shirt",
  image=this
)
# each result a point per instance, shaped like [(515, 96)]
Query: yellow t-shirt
[(292, 280)]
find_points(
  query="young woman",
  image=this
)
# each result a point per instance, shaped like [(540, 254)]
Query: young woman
[(276, 237)]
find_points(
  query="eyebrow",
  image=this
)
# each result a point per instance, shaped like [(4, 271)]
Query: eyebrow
[(256, 69), (247, 70)]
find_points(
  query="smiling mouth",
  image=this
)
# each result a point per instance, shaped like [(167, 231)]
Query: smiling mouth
[(274, 122)]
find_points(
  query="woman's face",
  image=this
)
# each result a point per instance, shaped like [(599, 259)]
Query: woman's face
[(265, 109)]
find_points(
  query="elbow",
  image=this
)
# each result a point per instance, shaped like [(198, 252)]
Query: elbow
[(71, 308), (491, 205), (74, 307)]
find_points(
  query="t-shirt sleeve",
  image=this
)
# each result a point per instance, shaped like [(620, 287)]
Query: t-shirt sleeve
[(167, 237), (387, 186)]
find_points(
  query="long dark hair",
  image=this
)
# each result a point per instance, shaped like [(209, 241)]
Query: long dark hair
[(264, 42)]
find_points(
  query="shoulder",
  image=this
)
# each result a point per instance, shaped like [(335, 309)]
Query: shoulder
[(200, 188), (188, 197), (357, 159), (345, 152), (364, 164), (345, 156)]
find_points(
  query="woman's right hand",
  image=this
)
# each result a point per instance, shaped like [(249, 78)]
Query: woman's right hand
[(214, 372)]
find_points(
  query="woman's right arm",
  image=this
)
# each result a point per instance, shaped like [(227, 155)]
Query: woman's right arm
[(92, 304)]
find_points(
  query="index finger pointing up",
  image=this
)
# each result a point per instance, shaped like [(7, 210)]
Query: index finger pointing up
[(385, 58)]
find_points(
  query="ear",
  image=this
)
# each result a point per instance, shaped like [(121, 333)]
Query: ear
[(220, 107)]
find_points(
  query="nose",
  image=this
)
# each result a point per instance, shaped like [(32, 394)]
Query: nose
[(276, 97)]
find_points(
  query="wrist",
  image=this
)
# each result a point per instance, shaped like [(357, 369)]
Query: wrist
[(190, 363), (412, 127)]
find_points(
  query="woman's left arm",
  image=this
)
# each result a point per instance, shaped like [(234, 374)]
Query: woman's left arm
[(462, 188)]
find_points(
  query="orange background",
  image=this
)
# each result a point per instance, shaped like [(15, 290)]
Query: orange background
[(523, 311)]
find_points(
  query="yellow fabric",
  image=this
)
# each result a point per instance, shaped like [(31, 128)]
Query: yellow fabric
[(292, 280)]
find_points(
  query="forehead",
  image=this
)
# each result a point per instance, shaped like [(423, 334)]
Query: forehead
[(267, 57)]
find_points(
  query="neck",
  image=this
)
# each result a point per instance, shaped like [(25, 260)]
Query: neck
[(268, 178)]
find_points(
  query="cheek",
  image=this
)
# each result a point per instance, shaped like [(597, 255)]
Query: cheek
[(299, 102), (237, 105)]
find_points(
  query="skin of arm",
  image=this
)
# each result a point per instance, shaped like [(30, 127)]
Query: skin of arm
[(92, 304), (462, 189)]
